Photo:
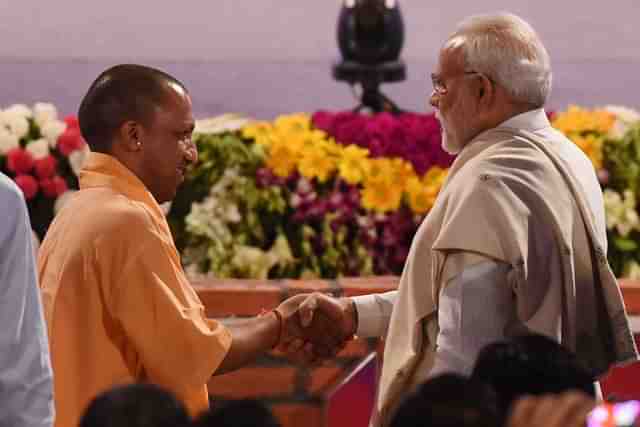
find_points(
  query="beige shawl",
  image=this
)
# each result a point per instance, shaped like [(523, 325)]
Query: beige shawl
[(504, 186)]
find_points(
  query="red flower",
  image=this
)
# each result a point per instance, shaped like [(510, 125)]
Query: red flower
[(53, 187), (19, 161), (28, 185), (72, 122), (70, 141), (46, 168)]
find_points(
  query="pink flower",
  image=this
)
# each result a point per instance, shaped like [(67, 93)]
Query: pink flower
[(28, 185), (19, 161), (46, 167), (53, 187), (322, 120)]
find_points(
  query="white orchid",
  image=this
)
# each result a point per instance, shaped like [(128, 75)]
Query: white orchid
[(8, 141), (43, 113), (39, 148), (52, 130)]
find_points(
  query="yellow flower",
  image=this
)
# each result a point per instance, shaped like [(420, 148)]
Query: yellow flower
[(421, 197), (379, 169), (293, 123), (435, 176), (577, 120), (353, 164), (315, 163), (592, 147), (282, 159), (381, 195), (402, 172), (261, 132)]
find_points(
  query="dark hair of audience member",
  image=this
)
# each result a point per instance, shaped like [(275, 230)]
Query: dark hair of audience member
[(135, 405), (530, 364), (121, 93), (238, 413), (449, 400)]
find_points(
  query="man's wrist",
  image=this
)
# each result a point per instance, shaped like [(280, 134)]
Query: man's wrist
[(351, 314), (274, 317)]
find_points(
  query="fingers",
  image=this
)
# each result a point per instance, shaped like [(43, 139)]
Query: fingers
[(566, 410), (307, 309), (571, 410)]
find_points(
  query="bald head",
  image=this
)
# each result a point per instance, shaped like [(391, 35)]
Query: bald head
[(122, 93)]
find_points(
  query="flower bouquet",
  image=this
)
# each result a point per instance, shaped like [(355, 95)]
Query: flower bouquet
[(42, 154), (304, 196), (610, 136)]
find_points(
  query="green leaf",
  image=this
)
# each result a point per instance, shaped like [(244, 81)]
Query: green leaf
[(625, 244)]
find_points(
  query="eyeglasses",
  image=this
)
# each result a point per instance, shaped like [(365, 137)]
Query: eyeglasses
[(439, 87)]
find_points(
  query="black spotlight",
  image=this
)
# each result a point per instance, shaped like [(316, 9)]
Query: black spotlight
[(370, 38)]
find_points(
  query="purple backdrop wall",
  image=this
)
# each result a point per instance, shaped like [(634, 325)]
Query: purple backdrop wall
[(272, 56)]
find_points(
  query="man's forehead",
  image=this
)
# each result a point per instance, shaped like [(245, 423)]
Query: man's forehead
[(451, 55), (176, 89)]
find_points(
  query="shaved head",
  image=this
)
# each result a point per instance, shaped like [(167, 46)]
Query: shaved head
[(122, 93)]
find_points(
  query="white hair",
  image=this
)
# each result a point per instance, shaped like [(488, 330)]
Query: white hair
[(507, 50)]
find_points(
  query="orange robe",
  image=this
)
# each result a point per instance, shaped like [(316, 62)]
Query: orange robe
[(118, 306)]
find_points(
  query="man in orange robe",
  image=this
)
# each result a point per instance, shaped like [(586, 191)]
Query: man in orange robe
[(118, 305)]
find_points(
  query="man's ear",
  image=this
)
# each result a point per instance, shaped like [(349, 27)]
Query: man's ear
[(485, 90), (130, 135)]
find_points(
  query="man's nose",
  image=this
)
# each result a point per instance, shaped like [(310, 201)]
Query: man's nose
[(192, 153), (434, 99)]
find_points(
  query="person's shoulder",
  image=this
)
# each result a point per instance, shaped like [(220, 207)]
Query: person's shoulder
[(10, 193), (12, 202), (107, 214)]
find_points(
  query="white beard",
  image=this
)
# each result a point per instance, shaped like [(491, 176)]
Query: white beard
[(449, 145)]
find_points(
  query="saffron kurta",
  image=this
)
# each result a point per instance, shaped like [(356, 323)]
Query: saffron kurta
[(118, 306)]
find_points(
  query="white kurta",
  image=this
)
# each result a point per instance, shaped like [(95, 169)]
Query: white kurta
[(26, 381), (465, 323)]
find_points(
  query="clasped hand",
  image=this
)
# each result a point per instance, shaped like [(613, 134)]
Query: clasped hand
[(315, 327)]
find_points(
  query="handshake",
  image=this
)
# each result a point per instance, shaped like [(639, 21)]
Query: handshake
[(315, 327)]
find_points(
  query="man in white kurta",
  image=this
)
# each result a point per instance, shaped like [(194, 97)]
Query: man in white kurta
[(26, 382), (516, 241), (474, 288)]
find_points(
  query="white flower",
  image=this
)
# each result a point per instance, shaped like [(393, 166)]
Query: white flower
[(254, 261), (282, 250), (8, 141), (15, 123), (77, 159), (623, 113), (231, 213), (621, 212), (220, 124), (52, 130), (20, 110), (62, 200), (44, 112), (625, 117), (39, 148)]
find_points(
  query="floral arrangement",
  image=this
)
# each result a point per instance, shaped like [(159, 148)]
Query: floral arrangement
[(42, 154), (610, 136), (308, 196)]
